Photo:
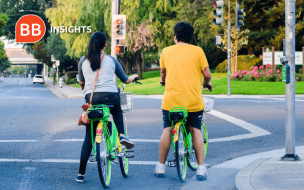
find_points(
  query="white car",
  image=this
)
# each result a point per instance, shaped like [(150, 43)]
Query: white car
[(38, 79)]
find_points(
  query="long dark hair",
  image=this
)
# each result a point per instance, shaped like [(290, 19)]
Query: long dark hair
[(97, 43)]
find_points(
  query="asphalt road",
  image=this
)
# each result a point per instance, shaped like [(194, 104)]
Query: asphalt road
[(32, 119)]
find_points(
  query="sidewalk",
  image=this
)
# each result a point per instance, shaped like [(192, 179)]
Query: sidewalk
[(260, 171), (65, 92), (272, 174)]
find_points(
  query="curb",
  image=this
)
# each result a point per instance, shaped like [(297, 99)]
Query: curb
[(56, 92), (242, 179)]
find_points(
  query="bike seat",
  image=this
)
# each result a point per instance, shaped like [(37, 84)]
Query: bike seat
[(109, 106)]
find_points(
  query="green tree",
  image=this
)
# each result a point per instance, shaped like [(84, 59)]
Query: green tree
[(266, 21), (56, 46)]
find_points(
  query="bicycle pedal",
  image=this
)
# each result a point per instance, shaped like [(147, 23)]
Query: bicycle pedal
[(92, 158), (130, 154), (172, 163)]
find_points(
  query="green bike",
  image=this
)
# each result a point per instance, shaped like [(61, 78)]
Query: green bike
[(107, 147), (181, 138)]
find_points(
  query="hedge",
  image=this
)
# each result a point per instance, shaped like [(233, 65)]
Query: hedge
[(71, 74), (245, 62)]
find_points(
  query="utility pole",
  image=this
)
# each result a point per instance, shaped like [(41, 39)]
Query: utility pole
[(290, 87), (229, 48), (115, 5)]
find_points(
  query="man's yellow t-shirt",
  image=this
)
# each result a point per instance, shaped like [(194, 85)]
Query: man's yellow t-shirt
[(184, 65)]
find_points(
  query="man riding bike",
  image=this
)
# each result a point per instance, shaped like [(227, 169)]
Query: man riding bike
[(182, 66)]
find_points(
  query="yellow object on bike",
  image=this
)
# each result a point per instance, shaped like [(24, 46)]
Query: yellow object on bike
[(175, 136), (98, 132)]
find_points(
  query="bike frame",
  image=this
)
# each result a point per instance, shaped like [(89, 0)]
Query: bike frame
[(112, 140), (187, 136)]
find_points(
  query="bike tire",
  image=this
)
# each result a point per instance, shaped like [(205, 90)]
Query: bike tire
[(124, 161), (103, 161), (193, 164), (180, 155), (124, 165)]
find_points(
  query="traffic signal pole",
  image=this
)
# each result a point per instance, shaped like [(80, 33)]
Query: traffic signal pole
[(290, 87), (229, 48), (115, 5)]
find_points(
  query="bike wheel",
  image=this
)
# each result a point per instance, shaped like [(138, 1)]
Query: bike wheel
[(192, 163), (103, 161), (124, 164), (124, 161), (180, 155)]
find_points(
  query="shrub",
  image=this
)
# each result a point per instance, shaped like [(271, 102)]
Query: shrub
[(72, 81), (71, 74), (301, 71), (244, 63)]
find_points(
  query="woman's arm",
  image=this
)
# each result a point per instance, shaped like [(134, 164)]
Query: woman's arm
[(131, 79)]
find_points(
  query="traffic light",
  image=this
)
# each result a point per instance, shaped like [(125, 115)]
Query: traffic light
[(239, 17), (119, 27), (120, 49), (218, 12)]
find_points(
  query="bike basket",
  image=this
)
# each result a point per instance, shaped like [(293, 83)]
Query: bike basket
[(209, 102), (98, 112), (178, 114), (126, 101)]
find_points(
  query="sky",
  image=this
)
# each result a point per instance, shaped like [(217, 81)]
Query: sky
[(10, 44)]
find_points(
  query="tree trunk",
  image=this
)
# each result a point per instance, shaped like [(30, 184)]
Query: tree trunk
[(143, 64), (138, 64)]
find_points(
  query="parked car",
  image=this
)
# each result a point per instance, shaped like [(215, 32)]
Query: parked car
[(38, 79)]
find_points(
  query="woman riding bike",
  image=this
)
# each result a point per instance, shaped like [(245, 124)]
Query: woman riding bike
[(105, 92)]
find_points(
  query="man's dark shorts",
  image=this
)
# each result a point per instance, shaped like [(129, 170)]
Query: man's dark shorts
[(194, 119)]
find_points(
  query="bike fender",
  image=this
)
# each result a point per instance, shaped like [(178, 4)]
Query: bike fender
[(98, 135), (175, 136)]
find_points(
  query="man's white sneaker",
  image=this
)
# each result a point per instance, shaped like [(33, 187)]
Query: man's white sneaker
[(160, 170), (201, 173)]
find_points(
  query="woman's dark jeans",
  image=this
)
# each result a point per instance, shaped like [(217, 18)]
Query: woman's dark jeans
[(108, 98)]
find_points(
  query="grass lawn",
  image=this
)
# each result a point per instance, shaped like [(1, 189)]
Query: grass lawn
[(150, 86)]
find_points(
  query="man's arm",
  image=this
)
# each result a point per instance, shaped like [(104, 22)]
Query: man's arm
[(82, 84), (207, 77), (162, 76)]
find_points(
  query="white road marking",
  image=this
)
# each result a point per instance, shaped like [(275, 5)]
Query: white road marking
[(2, 141), (255, 131), (71, 161)]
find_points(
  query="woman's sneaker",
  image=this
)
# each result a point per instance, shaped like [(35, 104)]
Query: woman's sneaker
[(125, 141), (79, 178), (160, 170), (201, 173)]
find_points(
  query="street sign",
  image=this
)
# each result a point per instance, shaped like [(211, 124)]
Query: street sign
[(267, 57), (119, 24), (57, 62), (286, 74), (218, 40), (53, 58)]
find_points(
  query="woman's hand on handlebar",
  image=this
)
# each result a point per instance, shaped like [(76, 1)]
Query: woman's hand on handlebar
[(208, 85), (131, 79)]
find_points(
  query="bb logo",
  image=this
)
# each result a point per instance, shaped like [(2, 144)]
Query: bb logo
[(29, 29)]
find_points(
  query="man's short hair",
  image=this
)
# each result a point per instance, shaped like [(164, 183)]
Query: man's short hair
[(183, 31)]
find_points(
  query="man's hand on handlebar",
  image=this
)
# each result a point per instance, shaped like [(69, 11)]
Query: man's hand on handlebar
[(162, 83), (207, 85)]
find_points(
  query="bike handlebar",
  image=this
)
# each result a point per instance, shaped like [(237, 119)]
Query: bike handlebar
[(134, 81)]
